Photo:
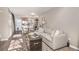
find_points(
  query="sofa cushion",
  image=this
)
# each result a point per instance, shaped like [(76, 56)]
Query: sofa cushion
[(58, 32)]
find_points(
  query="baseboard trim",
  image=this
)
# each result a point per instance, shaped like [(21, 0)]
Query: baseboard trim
[(74, 47)]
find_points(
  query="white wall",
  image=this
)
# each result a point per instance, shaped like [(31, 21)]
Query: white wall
[(66, 19), (6, 24)]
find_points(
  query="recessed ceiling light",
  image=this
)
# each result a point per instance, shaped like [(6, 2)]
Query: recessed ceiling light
[(33, 13)]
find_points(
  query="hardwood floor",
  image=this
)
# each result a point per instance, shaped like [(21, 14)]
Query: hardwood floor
[(66, 49), (16, 43), (4, 45)]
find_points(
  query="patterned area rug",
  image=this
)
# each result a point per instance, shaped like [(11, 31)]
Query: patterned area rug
[(16, 43)]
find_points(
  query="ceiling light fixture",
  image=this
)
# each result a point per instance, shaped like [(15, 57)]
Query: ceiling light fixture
[(33, 13)]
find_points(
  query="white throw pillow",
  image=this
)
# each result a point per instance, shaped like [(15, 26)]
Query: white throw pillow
[(41, 30), (58, 32)]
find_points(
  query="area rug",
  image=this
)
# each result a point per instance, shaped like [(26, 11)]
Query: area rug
[(17, 43)]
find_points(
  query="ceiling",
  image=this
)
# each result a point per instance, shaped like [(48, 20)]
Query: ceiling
[(25, 11)]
